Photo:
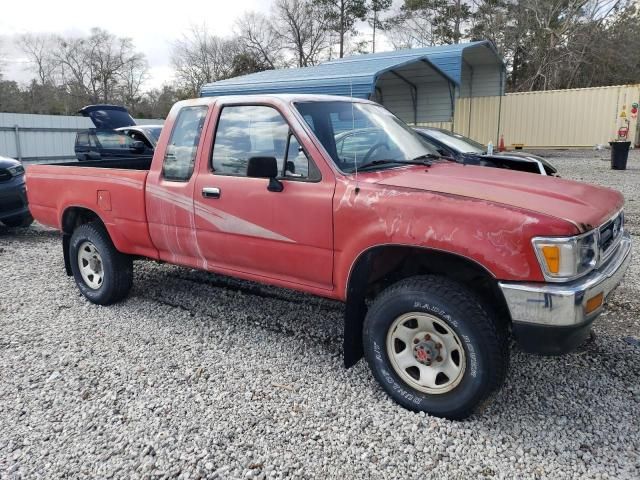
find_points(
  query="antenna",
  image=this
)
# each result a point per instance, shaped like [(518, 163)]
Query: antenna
[(353, 127)]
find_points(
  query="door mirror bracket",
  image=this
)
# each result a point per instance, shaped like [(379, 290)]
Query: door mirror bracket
[(265, 167), (275, 185)]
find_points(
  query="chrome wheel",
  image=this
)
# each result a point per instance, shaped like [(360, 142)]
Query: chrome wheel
[(90, 265), (426, 353)]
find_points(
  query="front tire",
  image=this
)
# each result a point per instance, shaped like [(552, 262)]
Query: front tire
[(103, 274), (434, 348)]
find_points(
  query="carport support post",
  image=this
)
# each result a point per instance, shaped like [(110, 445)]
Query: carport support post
[(16, 129), (414, 95), (470, 97), (502, 74)]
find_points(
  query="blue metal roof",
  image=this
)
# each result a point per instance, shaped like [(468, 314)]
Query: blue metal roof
[(351, 76)]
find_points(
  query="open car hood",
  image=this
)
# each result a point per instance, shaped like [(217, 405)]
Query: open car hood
[(524, 156), (108, 117)]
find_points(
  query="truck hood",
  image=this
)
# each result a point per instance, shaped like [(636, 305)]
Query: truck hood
[(582, 204), (107, 117)]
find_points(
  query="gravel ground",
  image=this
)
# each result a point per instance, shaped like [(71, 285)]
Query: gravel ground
[(198, 375)]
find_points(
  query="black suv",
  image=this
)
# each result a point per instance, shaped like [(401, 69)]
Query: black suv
[(115, 135), (14, 211)]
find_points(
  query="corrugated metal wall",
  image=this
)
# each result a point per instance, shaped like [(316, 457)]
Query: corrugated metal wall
[(43, 138), (433, 100), (579, 118)]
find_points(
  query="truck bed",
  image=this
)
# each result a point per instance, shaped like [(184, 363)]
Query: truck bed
[(114, 190), (128, 163)]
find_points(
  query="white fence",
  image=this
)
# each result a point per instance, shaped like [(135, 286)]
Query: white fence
[(43, 138)]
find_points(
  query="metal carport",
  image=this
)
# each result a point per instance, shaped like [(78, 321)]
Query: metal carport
[(418, 85)]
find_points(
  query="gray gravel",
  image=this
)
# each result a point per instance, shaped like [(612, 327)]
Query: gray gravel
[(198, 375)]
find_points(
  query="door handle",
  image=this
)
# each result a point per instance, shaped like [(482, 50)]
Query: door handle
[(211, 192)]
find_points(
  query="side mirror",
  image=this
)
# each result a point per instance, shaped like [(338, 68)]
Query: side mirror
[(265, 167), (137, 146)]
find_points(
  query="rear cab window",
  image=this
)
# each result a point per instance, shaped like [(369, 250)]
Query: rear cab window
[(180, 155)]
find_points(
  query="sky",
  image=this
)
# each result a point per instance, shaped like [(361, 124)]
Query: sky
[(153, 25)]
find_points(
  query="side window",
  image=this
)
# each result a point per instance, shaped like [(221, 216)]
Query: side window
[(248, 131), (297, 164), (113, 140), (180, 155), (82, 139)]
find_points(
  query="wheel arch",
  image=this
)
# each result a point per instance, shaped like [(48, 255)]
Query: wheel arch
[(380, 266), (72, 217)]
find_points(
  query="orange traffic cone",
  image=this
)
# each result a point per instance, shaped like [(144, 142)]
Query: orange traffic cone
[(501, 145)]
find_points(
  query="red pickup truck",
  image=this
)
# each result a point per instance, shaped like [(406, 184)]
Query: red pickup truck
[(439, 264)]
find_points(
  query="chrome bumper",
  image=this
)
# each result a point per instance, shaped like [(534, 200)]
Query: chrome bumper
[(564, 305)]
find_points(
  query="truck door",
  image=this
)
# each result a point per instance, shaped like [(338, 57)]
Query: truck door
[(169, 191), (242, 225)]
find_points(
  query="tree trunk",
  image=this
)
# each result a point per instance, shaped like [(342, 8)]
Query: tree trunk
[(342, 29)]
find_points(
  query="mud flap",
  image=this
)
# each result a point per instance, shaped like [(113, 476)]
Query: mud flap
[(356, 311), (66, 240)]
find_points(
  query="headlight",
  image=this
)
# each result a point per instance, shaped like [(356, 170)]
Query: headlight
[(566, 258), (15, 171)]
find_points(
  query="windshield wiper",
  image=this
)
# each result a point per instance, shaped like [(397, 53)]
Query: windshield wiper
[(430, 156), (421, 160)]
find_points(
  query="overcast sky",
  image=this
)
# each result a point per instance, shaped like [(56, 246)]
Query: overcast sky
[(153, 25)]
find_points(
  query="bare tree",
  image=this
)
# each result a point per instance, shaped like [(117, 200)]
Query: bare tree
[(74, 70), (199, 58), (97, 67), (131, 80), (303, 30), (259, 38), (111, 60), (39, 51)]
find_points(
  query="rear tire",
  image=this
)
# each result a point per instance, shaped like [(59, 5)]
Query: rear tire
[(434, 348), (22, 221), (103, 274)]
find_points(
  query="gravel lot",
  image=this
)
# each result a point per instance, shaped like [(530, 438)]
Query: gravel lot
[(198, 375)]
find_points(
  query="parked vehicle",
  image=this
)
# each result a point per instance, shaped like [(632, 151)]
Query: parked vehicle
[(148, 134), (470, 152), (436, 261), (14, 210), (116, 135)]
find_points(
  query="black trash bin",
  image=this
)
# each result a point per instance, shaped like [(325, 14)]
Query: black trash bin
[(619, 155)]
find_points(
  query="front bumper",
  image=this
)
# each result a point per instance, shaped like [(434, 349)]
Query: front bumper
[(553, 318), (13, 198)]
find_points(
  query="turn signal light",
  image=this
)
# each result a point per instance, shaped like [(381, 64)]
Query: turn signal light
[(593, 303), (552, 256)]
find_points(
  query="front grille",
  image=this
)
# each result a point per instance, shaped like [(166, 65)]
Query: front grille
[(610, 235), (4, 175)]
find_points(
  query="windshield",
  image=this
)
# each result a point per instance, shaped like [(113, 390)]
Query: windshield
[(457, 142), (153, 133), (355, 134)]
